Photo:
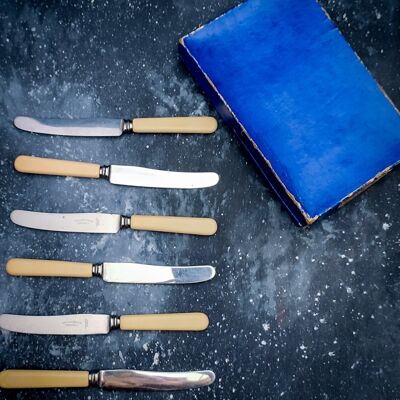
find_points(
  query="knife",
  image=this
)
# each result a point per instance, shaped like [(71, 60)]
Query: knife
[(117, 174), (110, 272), (105, 379), (94, 324), (112, 223), (116, 127)]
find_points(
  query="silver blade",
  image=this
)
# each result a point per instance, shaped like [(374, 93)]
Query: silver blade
[(78, 324), (145, 177), (86, 222), (140, 273), (71, 127), (150, 380)]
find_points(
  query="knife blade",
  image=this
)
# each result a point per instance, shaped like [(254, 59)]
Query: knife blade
[(111, 272), (112, 223), (116, 127), (94, 324), (149, 380), (105, 379), (117, 174)]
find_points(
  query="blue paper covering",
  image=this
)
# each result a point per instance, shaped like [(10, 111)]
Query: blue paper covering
[(302, 103)]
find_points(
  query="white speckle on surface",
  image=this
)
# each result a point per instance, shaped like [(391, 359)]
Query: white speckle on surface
[(349, 290), (55, 350), (156, 359), (266, 326)]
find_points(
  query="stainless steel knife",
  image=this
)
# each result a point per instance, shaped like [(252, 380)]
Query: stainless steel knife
[(111, 272), (112, 223), (93, 324), (116, 127), (105, 379), (117, 174)]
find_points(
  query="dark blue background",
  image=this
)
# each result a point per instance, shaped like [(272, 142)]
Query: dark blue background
[(295, 313)]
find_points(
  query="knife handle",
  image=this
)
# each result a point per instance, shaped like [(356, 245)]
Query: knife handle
[(29, 267), (51, 166), (175, 125), (189, 225), (195, 321), (30, 379)]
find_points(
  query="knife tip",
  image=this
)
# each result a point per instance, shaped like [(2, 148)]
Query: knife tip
[(212, 272), (18, 216), (215, 178), (211, 376), (14, 216), (19, 121), (206, 377)]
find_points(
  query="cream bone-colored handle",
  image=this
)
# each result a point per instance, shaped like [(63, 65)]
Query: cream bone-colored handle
[(194, 321), (188, 225), (51, 166), (31, 379), (30, 267), (175, 125)]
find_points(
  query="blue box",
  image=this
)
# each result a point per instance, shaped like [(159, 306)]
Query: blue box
[(306, 109)]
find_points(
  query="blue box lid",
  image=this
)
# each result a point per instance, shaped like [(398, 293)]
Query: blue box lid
[(310, 114)]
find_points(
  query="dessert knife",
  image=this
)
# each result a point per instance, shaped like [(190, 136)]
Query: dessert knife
[(116, 127), (112, 223), (110, 272), (117, 174), (105, 379), (94, 324)]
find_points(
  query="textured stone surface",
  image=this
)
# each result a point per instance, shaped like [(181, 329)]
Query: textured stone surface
[(295, 313)]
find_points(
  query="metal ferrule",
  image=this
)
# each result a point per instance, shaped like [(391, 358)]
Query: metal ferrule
[(125, 222), (126, 125), (97, 269), (105, 171), (114, 322), (94, 378)]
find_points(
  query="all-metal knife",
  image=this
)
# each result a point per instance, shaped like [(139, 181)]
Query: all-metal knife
[(116, 127), (110, 272), (112, 223), (93, 324), (105, 379), (117, 174)]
